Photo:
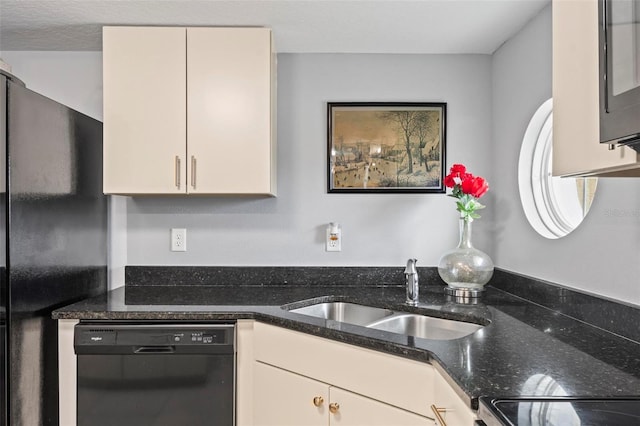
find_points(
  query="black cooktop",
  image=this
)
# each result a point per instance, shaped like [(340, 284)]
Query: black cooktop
[(563, 411)]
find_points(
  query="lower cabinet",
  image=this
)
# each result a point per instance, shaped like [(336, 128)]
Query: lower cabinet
[(286, 377), (67, 373), (282, 398)]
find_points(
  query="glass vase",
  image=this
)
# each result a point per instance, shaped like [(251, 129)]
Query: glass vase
[(465, 267)]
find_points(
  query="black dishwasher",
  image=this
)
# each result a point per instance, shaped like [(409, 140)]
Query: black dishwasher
[(155, 374)]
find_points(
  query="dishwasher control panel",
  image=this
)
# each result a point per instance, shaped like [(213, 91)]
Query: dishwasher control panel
[(91, 337), (198, 337)]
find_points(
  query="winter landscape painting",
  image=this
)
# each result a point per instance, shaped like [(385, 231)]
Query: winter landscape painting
[(386, 147)]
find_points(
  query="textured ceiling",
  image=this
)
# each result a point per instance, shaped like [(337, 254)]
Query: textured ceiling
[(342, 26)]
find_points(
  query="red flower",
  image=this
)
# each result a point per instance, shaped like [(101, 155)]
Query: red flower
[(467, 188), (449, 182), (458, 171), (474, 186)]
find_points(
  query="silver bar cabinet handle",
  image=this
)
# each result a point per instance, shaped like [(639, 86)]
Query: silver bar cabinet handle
[(193, 171), (177, 170)]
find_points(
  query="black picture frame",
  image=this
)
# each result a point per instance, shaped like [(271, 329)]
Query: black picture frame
[(386, 147)]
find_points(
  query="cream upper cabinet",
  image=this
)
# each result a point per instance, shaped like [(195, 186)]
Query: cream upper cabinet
[(144, 79), (576, 146), (229, 110), (188, 110)]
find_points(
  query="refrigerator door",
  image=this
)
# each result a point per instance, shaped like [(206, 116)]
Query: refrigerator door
[(3, 252), (57, 231)]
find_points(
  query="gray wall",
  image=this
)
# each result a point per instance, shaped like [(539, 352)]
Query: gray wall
[(378, 230), (490, 101), (602, 256), (289, 230)]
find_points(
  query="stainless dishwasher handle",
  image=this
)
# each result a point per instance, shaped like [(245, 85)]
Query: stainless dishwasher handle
[(154, 350)]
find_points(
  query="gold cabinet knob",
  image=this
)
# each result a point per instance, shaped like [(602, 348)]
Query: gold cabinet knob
[(318, 401), (334, 407)]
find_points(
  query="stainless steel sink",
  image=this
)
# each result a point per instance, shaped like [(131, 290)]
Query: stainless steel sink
[(425, 327), (344, 312), (407, 324)]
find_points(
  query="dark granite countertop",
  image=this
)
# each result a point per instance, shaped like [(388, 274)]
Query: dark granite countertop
[(522, 345)]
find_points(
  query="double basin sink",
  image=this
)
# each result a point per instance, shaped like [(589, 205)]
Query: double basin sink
[(409, 324)]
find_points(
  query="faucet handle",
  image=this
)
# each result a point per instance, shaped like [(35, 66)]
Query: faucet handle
[(411, 267), (411, 280)]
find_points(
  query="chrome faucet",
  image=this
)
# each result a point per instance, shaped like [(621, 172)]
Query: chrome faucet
[(411, 279)]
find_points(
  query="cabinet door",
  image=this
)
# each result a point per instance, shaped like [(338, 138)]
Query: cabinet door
[(576, 131), (452, 408), (144, 110), (348, 367), (229, 81), (356, 410), (281, 398)]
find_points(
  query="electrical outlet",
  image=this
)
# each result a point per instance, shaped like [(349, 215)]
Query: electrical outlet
[(334, 238), (178, 239)]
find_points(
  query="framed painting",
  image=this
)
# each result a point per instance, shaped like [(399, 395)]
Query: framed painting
[(386, 147)]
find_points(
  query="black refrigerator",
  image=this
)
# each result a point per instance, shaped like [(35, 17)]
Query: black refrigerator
[(53, 240)]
